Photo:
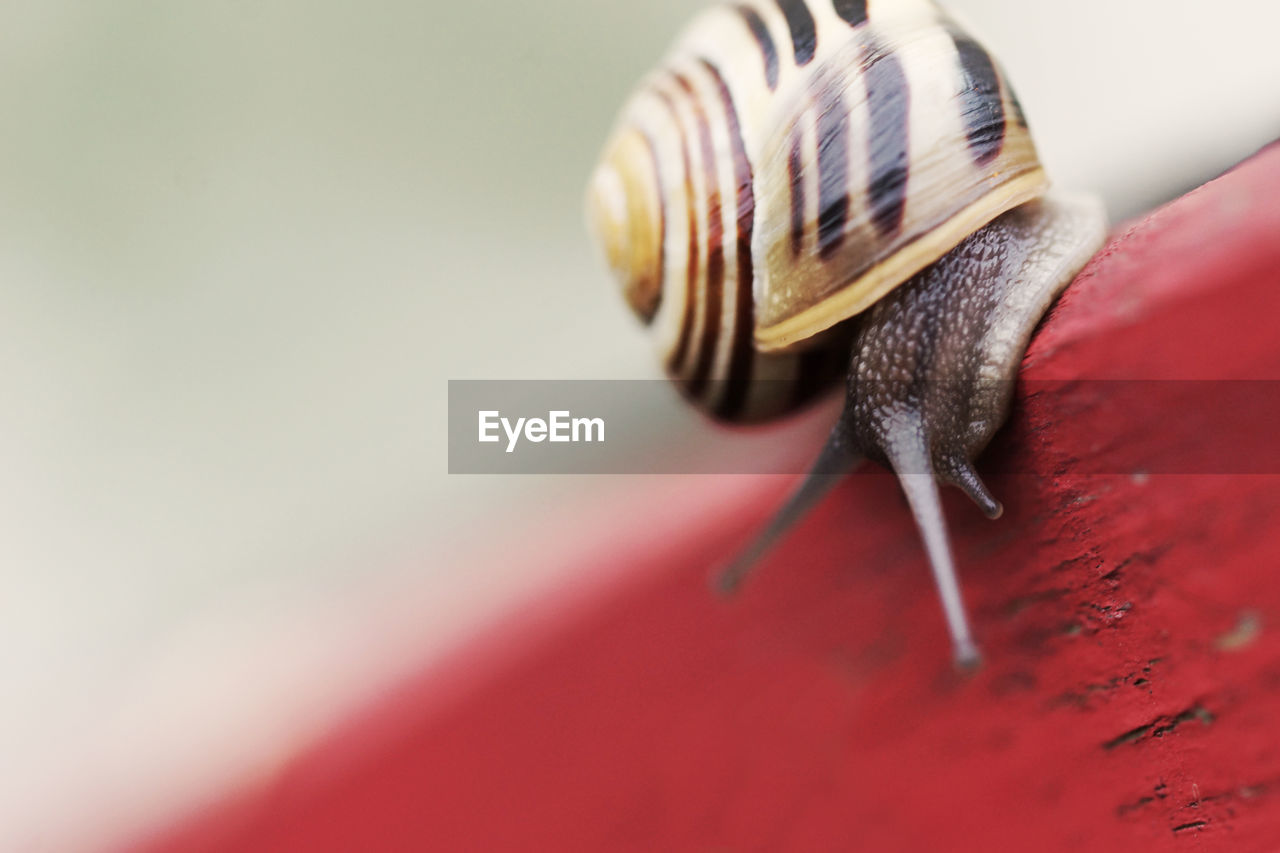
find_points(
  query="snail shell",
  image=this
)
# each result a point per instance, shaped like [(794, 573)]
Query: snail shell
[(786, 166), (791, 165)]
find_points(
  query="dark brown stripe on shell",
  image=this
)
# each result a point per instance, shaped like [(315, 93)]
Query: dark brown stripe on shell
[(761, 34), (713, 283), (816, 370), (795, 175), (853, 11), (888, 107), (681, 351), (740, 358), (981, 105), (833, 169), (804, 33)]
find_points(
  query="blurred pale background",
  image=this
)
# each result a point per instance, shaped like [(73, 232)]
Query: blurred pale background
[(242, 248)]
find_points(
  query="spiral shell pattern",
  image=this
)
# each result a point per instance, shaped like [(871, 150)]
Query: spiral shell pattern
[(789, 163)]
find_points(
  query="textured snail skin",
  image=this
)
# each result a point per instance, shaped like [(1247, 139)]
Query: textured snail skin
[(945, 349), (932, 371)]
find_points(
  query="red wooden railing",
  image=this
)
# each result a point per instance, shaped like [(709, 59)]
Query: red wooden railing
[(1128, 604)]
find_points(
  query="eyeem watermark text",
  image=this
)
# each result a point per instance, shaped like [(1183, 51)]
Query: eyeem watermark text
[(559, 427), (651, 430)]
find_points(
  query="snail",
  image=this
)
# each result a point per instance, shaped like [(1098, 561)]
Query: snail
[(809, 186)]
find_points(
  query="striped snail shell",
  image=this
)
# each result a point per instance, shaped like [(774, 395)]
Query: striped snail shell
[(804, 187)]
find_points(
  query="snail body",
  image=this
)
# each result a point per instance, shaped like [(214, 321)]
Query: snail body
[(808, 188)]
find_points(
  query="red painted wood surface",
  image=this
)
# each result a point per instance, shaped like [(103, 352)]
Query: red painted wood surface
[(1130, 697)]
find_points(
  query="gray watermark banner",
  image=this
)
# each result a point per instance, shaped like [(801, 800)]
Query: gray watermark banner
[(1057, 428)]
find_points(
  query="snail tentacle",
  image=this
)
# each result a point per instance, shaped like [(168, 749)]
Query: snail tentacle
[(959, 472), (903, 439), (834, 462), (921, 490)]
